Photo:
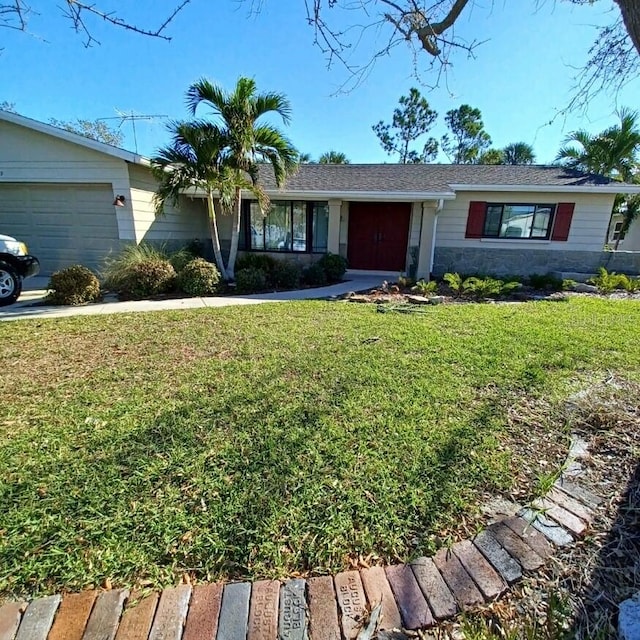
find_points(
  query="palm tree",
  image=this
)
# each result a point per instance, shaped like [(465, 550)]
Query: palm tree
[(305, 158), (518, 153), (194, 158), (612, 153), (333, 157), (249, 142)]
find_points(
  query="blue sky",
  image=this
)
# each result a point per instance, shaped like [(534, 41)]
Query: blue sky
[(521, 77)]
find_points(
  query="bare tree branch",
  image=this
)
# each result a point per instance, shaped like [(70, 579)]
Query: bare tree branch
[(16, 13)]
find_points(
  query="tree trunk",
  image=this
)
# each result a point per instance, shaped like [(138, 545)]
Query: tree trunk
[(215, 238), (235, 235), (630, 10)]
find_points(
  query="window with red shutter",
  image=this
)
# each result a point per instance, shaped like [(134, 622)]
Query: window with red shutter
[(562, 222), (475, 219)]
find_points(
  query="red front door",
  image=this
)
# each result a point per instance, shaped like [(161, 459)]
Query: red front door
[(378, 235)]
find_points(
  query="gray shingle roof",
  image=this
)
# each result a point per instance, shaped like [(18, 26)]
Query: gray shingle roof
[(426, 178)]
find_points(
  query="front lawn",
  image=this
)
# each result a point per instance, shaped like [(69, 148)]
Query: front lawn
[(273, 439)]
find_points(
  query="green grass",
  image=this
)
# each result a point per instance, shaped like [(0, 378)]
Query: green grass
[(265, 440)]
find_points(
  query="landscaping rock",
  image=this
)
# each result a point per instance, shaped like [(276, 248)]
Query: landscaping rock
[(629, 618), (263, 613), (516, 546), (493, 551), (136, 620), (583, 287), (578, 492), (567, 519), (378, 590), (436, 299), (551, 529), (489, 582), (352, 602), (570, 504), (459, 581), (234, 612), (435, 589), (73, 613), (411, 602), (323, 611), (10, 615), (37, 619), (105, 616), (530, 535), (418, 299), (293, 611), (171, 613)]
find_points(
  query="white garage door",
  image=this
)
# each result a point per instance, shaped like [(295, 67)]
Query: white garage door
[(62, 225)]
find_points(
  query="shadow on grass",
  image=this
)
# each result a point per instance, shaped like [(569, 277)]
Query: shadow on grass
[(615, 575)]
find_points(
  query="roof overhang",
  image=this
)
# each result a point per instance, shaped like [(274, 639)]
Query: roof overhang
[(377, 196), (74, 138), (609, 188)]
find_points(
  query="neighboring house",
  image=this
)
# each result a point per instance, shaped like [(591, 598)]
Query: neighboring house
[(59, 192)]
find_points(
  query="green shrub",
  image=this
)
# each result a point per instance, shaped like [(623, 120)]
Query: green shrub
[(116, 268), (151, 277), (73, 285), (454, 282), (405, 282), (425, 288), (195, 248), (480, 287), (314, 275), (607, 282), (546, 281), (286, 275), (180, 259), (251, 280), (199, 278), (334, 266), (260, 261)]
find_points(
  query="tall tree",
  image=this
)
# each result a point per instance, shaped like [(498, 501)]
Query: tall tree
[(333, 157), (194, 158), (614, 153), (5, 105), (491, 156), (249, 141), (468, 139), (429, 27), (518, 153), (304, 158), (411, 120), (94, 129)]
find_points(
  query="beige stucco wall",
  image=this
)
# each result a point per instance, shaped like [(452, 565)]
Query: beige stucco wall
[(185, 222), (587, 233)]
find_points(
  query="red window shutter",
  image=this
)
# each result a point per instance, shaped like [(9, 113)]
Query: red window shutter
[(562, 222), (475, 220)]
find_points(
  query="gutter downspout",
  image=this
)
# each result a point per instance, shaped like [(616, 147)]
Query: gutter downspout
[(433, 239)]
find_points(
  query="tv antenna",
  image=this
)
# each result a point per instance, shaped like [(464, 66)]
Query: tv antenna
[(132, 117)]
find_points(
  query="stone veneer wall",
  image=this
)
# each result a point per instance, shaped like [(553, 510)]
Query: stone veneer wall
[(492, 261)]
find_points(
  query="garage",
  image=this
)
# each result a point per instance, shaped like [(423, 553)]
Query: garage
[(61, 224)]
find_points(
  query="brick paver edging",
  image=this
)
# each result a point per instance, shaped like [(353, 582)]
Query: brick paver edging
[(411, 596)]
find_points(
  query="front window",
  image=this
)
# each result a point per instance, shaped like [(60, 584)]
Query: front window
[(288, 226), (529, 221)]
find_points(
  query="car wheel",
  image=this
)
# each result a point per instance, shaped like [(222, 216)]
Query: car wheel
[(10, 284)]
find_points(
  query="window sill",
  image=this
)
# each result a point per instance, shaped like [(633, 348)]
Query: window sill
[(515, 241)]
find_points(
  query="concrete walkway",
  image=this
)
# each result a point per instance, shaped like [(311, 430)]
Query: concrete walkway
[(29, 305)]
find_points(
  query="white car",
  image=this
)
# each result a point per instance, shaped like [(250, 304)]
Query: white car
[(15, 265)]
